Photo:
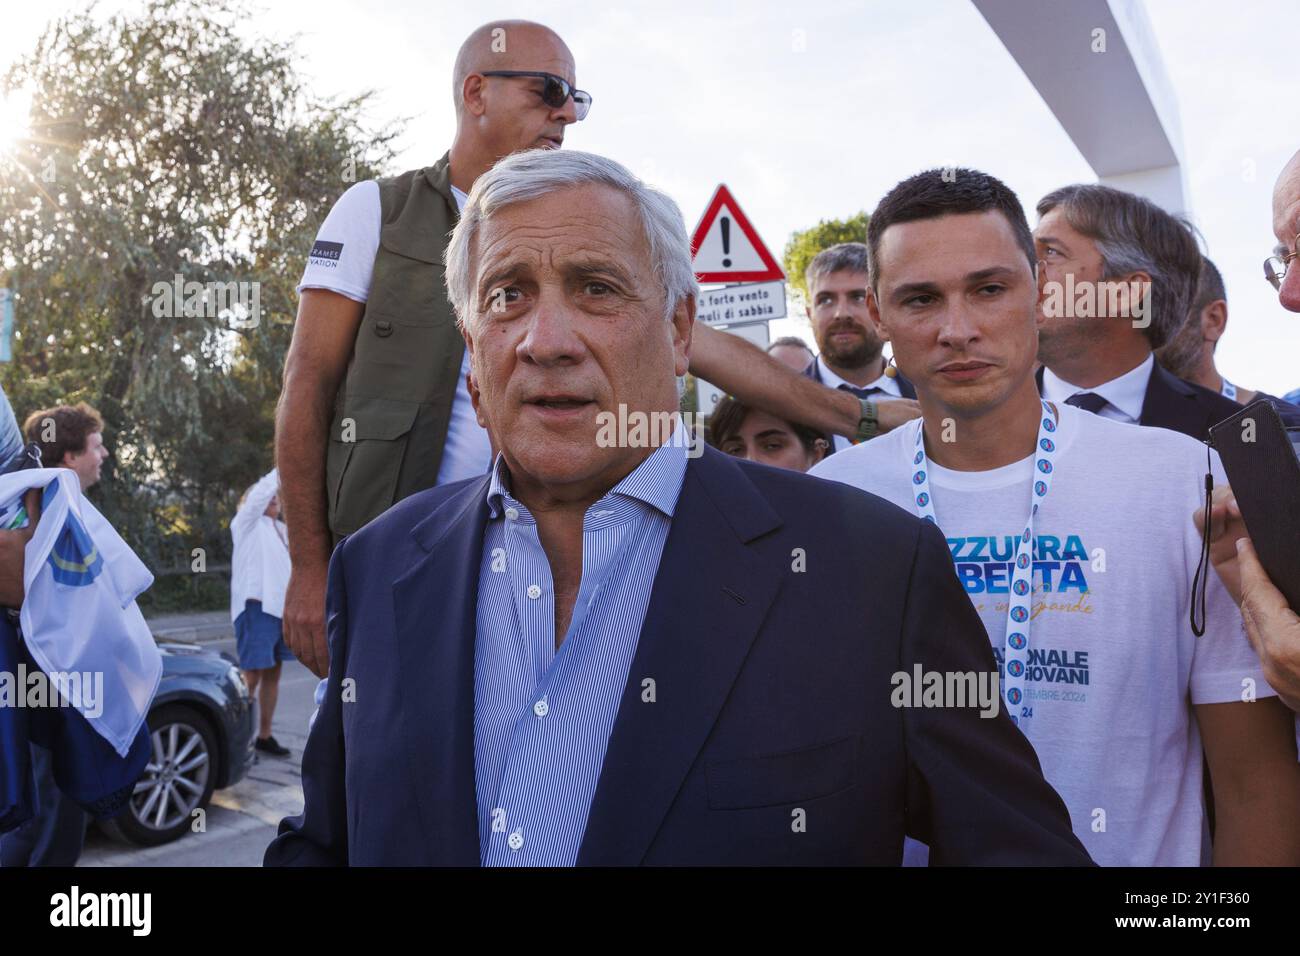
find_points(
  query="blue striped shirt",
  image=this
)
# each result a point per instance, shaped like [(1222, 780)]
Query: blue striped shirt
[(542, 718)]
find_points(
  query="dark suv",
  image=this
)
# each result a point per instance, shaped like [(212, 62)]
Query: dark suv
[(203, 725)]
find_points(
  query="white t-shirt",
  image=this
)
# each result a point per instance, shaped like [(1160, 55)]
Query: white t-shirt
[(1114, 665), (341, 261), (259, 569)]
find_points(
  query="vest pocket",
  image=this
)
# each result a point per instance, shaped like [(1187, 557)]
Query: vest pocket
[(362, 473), (409, 287)]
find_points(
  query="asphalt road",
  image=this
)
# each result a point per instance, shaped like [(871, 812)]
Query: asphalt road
[(241, 819)]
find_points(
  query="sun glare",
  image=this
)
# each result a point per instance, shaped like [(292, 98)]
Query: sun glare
[(14, 112)]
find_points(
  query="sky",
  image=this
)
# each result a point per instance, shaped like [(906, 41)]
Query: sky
[(814, 110)]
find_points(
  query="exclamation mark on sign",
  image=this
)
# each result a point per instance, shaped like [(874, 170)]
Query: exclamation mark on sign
[(726, 241)]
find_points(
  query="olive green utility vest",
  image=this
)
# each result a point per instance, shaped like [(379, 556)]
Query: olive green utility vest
[(391, 416)]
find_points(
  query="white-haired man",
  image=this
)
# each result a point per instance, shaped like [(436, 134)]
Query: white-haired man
[(600, 650)]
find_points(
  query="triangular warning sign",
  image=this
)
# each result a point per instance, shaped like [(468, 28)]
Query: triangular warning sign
[(725, 247)]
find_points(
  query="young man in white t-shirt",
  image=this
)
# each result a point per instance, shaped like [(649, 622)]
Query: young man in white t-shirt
[(1089, 613)]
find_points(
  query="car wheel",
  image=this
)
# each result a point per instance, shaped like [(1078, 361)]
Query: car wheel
[(179, 778)]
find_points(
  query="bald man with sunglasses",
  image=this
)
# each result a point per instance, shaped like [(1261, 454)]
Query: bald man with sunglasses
[(375, 405)]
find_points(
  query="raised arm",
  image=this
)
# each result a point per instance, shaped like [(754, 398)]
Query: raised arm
[(255, 502), (742, 369)]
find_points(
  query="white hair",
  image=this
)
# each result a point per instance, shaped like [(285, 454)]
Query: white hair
[(534, 173)]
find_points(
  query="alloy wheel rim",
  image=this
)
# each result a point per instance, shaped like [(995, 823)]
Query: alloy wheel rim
[(174, 778)]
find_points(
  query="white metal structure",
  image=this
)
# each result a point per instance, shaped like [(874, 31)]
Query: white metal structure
[(1096, 65)]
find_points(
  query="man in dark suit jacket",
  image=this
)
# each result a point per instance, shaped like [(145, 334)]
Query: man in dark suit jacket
[(851, 355), (675, 708), (1120, 275), (756, 715), (1166, 402)]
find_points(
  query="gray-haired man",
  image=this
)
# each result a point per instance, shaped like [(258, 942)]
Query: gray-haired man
[(1121, 274), (600, 650)]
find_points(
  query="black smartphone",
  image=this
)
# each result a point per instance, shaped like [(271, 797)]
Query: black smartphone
[(1262, 461)]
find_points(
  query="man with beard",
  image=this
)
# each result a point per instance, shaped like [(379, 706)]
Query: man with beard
[(850, 358), (1189, 353)]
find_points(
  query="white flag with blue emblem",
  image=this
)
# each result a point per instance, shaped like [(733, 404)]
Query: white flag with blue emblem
[(79, 615)]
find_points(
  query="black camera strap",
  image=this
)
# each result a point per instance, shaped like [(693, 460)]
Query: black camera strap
[(1201, 581)]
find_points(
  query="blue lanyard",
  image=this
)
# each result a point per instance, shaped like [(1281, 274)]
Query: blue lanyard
[(1015, 653), (1228, 390)]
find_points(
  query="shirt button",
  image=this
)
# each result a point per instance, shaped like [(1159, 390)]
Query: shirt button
[(534, 591), (512, 514), (541, 708), (516, 840)]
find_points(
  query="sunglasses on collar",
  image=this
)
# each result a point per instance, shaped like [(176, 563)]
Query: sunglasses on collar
[(555, 90)]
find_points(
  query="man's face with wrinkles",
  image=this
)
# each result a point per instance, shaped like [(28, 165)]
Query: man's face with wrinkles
[(1286, 227), (568, 321)]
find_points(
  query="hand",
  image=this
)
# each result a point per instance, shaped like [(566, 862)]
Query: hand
[(304, 616), (895, 412), (13, 549), (1272, 626), (1226, 526)]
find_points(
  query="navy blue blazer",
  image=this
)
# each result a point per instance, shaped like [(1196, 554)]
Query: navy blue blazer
[(1177, 404), (766, 704)]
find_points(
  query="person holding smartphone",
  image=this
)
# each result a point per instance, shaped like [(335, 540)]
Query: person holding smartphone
[(1271, 624)]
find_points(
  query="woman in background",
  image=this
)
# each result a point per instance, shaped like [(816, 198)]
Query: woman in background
[(745, 432)]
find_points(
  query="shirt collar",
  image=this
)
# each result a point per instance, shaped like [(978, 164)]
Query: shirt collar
[(657, 481), (887, 382), (1127, 393)]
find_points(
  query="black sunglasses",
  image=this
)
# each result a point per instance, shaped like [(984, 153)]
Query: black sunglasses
[(555, 92)]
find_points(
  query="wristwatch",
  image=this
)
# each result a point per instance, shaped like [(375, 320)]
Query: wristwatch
[(868, 424)]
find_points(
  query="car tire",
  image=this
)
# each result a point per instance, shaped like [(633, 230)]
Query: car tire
[(179, 778)]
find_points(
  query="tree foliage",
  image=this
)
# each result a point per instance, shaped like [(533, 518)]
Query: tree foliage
[(805, 244), (164, 143)]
